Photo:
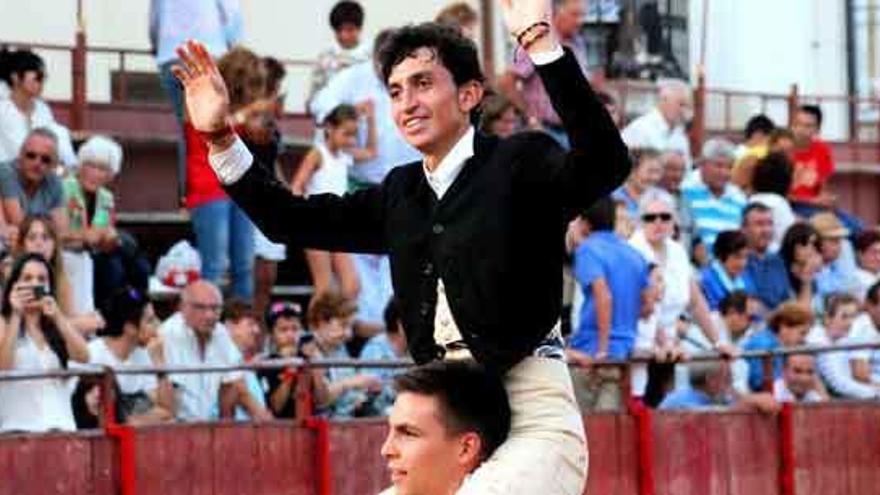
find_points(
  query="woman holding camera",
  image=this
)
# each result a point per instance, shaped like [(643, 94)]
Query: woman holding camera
[(35, 336)]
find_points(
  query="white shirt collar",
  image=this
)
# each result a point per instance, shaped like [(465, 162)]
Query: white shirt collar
[(450, 166)]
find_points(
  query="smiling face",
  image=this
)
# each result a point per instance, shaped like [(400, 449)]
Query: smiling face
[(423, 456), (428, 108)]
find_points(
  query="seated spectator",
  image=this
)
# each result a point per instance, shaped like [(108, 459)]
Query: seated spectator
[(726, 273), (390, 345), (764, 267), (711, 388), (37, 235), (813, 167), (715, 203), (799, 381), (772, 178), (681, 291), (346, 20), (646, 173), (35, 336), (29, 185), (752, 150), (499, 116), (130, 339), (787, 327), (244, 329), (462, 414), (194, 336), (284, 321), (867, 248), (25, 110), (835, 367), (800, 253), (460, 15), (91, 214), (782, 141), (838, 272), (866, 330), (344, 393)]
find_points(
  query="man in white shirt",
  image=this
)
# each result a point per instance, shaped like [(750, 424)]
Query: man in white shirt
[(799, 381), (866, 330), (194, 337), (662, 128)]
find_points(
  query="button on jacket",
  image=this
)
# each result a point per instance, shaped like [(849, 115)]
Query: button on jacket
[(496, 238)]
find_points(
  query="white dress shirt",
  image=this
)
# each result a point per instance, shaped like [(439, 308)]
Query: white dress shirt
[(100, 353), (651, 130), (198, 393)]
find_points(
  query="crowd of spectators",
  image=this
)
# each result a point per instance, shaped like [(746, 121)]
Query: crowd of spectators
[(736, 249)]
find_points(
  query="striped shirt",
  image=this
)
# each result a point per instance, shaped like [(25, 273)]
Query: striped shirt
[(712, 214)]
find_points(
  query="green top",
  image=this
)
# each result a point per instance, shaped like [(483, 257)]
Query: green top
[(75, 205)]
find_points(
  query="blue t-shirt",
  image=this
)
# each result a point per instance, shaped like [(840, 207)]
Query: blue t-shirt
[(717, 284), (770, 279), (764, 340), (690, 398), (604, 255)]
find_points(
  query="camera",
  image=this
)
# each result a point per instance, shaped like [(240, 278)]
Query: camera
[(40, 292)]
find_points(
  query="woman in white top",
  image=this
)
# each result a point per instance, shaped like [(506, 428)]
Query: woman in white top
[(24, 110), (35, 336), (771, 181), (324, 170), (681, 292)]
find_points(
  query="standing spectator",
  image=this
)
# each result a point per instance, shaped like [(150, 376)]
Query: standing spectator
[(646, 173), (29, 185), (799, 381), (663, 127), (224, 234), (612, 276), (868, 257), (770, 182), (130, 339), (716, 204), (35, 336), (194, 337), (726, 273), (835, 366), (460, 15), (681, 292), (753, 149), (324, 170), (25, 111), (346, 20), (522, 85), (284, 321), (499, 117), (217, 24), (800, 253), (787, 327), (765, 268), (838, 272), (345, 393), (390, 345), (244, 328)]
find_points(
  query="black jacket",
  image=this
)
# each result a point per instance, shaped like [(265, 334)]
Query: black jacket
[(496, 238)]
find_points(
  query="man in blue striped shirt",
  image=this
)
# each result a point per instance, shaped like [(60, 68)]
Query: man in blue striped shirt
[(715, 203)]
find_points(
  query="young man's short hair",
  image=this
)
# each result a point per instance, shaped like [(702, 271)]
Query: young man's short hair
[(471, 398), (346, 12), (601, 215), (729, 243), (837, 300), (735, 302), (328, 306), (455, 51), (236, 309), (815, 111), (759, 123), (756, 206), (457, 14)]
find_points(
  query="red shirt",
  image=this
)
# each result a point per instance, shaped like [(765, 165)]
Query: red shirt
[(202, 185), (812, 168)]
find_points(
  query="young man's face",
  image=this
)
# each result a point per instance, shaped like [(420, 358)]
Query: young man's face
[(800, 374), (830, 248), (805, 127), (348, 35), (245, 332), (424, 458), (428, 108), (839, 323)]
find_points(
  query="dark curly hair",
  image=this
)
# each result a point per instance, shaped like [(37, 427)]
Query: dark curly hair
[(456, 52)]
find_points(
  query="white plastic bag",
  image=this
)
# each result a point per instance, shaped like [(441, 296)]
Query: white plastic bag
[(180, 266)]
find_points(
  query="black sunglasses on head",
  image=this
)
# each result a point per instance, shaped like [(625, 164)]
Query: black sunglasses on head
[(653, 217)]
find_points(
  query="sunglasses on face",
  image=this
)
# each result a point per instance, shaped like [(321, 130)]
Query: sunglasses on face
[(44, 159), (653, 217)]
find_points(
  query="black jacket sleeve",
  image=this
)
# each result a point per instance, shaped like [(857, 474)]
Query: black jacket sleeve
[(351, 223), (598, 161)]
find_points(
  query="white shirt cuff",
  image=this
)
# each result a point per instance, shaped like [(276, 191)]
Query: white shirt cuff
[(544, 58), (231, 163)]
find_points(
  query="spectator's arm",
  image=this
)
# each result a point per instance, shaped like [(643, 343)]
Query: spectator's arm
[(700, 309), (282, 394), (835, 370), (603, 303), (76, 345), (762, 402), (254, 409), (861, 370), (370, 150), (12, 210), (164, 395), (307, 168), (59, 221), (228, 399), (8, 340)]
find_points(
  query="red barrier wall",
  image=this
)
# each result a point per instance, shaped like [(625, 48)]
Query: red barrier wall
[(354, 452), (614, 461)]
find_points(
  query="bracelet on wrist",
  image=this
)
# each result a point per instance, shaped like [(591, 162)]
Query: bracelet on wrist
[(216, 135), (529, 35)]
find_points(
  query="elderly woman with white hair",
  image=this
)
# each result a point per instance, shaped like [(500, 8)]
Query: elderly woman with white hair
[(90, 210)]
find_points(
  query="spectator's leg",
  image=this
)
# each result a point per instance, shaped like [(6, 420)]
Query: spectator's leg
[(241, 254), (343, 267), (109, 274), (210, 223), (321, 271), (175, 93), (804, 210)]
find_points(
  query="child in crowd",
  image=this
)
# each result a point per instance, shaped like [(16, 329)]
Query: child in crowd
[(726, 273), (346, 20), (284, 321), (786, 327), (324, 170), (390, 345), (244, 329)]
